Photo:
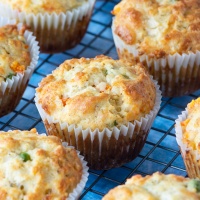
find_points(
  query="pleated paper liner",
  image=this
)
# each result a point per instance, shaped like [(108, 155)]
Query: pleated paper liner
[(176, 74), (191, 157), (108, 148), (12, 90), (80, 187), (55, 32)]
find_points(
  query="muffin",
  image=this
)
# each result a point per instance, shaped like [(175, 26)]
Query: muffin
[(35, 166), (57, 25), (157, 186), (19, 53), (188, 137), (102, 107), (164, 35)]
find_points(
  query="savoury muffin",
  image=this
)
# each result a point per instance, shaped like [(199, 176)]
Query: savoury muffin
[(18, 58), (35, 166), (165, 36), (188, 137), (57, 25), (103, 107), (157, 186)]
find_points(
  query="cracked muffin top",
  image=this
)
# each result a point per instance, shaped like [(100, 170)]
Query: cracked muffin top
[(157, 186), (43, 6), (14, 52), (159, 27), (36, 166), (97, 93)]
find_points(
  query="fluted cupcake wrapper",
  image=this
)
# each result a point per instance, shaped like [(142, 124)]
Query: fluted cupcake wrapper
[(107, 148), (79, 188), (12, 90), (176, 74), (55, 32), (191, 157)]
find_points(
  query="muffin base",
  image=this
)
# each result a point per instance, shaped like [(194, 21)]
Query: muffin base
[(107, 148), (172, 84), (177, 74), (192, 164), (11, 90), (111, 152), (191, 157), (55, 40), (54, 32), (10, 99)]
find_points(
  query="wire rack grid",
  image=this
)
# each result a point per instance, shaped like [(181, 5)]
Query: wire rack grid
[(160, 152)]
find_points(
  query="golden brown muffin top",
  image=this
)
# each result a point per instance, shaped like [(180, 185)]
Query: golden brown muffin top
[(191, 126), (14, 52), (97, 93), (157, 186), (159, 27), (36, 166), (43, 6)]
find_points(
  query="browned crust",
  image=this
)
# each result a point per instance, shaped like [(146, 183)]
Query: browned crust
[(123, 98), (151, 187), (52, 173), (43, 6), (177, 25)]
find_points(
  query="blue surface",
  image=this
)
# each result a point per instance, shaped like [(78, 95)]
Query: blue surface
[(103, 185), (22, 122), (123, 172), (92, 196), (102, 17), (162, 123), (162, 155), (160, 152), (150, 167), (170, 142)]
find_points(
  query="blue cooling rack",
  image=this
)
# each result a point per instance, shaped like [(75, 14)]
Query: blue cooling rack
[(160, 153)]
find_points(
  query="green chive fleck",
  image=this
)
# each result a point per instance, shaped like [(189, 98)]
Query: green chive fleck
[(115, 123), (25, 156), (194, 184), (105, 72), (125, 76), (10, 75)]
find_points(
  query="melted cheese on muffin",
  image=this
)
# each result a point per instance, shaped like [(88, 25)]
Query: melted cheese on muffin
[(156, 187), (35, 166), (97, 93), (159, 27), (43, 6), (191, 126), (14, 52)]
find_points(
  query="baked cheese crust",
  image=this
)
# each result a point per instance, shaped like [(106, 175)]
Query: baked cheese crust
[(159, 28), (156, 187), (43, 6), (34, 167), (97, 93), (14, 52), (191, 126)]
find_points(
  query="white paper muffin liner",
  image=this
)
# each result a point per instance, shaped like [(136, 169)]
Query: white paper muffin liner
[(55, 32), (176, 74), (79, 188), (191, 157), (107, 148), (12, 90)]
